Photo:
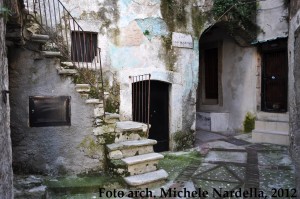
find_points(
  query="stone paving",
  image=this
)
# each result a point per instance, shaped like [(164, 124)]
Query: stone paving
[(227, 168), (236, 164)]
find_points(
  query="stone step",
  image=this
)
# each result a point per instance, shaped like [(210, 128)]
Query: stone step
[(128, 126), (271, 125), (51, 54), (142, 163), (83, 88), (147, 180), (39, 38), (128, 130), (111, 118), (130, 148), (68, 72), (68, 65), (272, 137), (275, 117)]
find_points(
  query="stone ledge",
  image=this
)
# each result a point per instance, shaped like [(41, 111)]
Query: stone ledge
[(39, 38), (62, 71), (69, 65), (93, 101), (130, 144), (51, 54), (83, 88), (146, 178), (142, 158)]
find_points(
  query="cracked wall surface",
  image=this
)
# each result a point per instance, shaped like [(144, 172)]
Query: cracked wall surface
[(294, 84)]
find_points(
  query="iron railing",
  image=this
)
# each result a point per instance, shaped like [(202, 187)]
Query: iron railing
[(66, 35), (141, 99)]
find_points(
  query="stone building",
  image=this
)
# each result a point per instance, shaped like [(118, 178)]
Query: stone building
[(208, 72), (293, 52)]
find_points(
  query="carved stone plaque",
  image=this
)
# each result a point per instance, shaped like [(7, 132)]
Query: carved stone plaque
[(182, 40)]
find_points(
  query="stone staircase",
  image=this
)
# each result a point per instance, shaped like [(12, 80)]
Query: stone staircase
[(129, 152), (131, 155), (271, 128)]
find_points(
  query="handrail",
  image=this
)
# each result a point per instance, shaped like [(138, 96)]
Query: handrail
[(66, 35)]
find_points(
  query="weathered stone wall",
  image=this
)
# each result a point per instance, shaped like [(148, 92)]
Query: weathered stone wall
[(135, 39), (49, 150), (294, 85), (6, 174), (272, 18)]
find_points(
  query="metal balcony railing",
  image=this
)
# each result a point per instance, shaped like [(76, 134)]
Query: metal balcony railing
[(66, 35)]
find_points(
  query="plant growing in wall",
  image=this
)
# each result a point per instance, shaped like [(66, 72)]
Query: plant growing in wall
[(240, 16), (174, 13), (184, 140), (249, 122)]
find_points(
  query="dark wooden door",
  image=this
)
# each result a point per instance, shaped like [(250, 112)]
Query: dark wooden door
[(159, 115), (274, 81), (159, 110)]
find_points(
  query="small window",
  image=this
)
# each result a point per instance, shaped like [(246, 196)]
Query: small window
[(49, 111), (84, 46)]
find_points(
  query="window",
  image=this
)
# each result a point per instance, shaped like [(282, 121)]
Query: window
[(49, 111), (210, 73), (84, 46)]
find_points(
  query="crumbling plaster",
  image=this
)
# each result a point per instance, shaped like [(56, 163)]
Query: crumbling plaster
[(137, 48)]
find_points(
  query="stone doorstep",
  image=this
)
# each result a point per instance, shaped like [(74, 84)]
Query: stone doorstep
[(130, 144), (146, 178), (273, 137), (130, 126), (51, 54), (271, 125), (83, 88), (142, 158), (62, 71)]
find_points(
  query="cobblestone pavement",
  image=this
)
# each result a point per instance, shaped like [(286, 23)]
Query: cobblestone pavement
[(236, 164)]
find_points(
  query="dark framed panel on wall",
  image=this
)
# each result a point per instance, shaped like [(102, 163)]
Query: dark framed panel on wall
[(49, 111)]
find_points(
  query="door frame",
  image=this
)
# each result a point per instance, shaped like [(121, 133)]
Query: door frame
[(279, 45)]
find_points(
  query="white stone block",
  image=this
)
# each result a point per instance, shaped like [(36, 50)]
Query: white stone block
[(219, 122), (114, 155)]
